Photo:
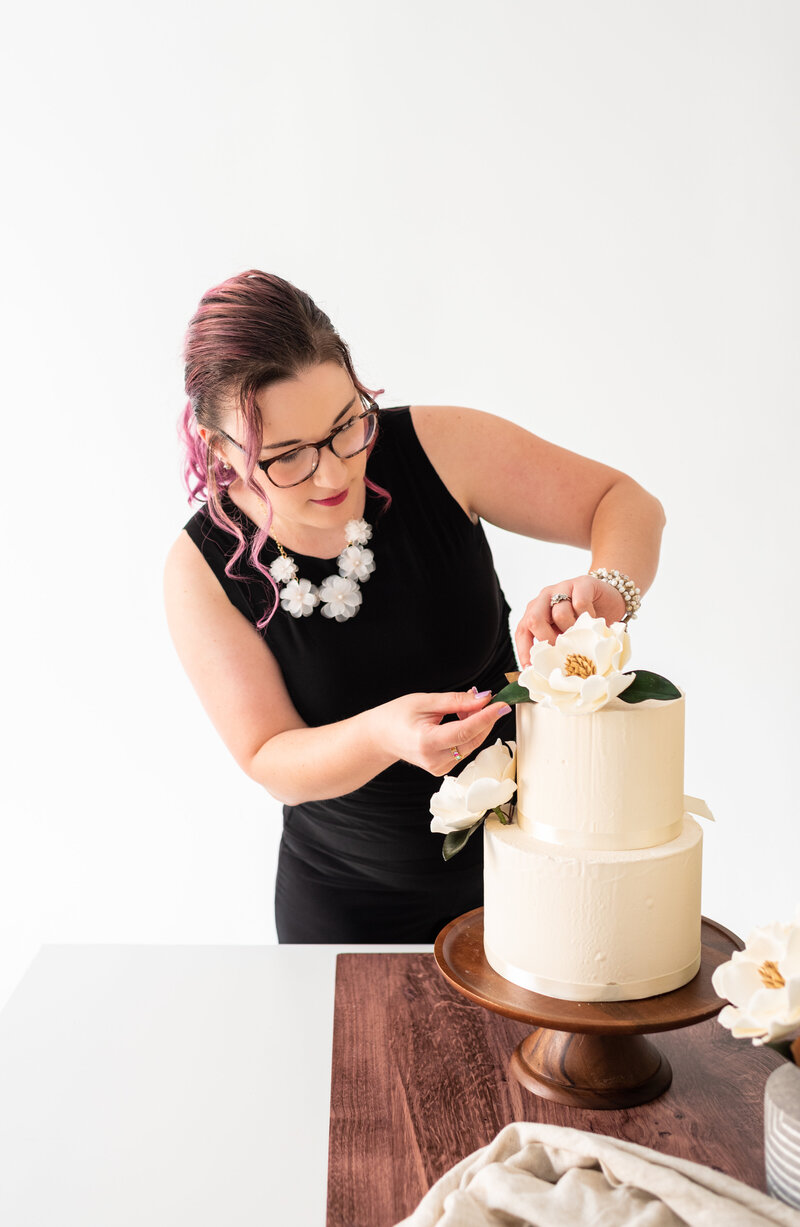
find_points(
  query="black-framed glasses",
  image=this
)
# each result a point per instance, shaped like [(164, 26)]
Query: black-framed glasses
[(293, 467)]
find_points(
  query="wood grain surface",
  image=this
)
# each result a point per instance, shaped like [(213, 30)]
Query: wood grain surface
[(420, 1080)]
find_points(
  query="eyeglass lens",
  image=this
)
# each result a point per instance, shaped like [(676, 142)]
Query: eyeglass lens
[(349, 440)]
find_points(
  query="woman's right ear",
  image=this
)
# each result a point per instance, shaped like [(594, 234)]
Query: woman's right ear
[(204, 433)]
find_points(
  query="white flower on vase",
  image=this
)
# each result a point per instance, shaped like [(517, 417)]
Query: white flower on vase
[(485, 783), (582, 671), (340, 597), (356, 563), (283, 569), (357, 532), (763, 983), (299, 598)]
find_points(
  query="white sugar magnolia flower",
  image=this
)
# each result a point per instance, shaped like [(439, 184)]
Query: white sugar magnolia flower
[(763, 983), (340, 597), (583, 669), (283, 569), (299, 597), (357, 532), (356, 563), (485, 783)]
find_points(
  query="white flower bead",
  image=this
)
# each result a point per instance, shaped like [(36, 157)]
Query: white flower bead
[(299, 598), (340, 597), (283, 569), (356, 563), (358, 532)]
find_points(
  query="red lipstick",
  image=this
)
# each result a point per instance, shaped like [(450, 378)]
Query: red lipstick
[(330, 502)]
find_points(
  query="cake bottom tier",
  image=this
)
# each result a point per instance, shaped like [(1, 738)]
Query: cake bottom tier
[(583, 925)]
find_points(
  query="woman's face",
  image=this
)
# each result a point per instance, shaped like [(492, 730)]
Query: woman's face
[(306, 410)]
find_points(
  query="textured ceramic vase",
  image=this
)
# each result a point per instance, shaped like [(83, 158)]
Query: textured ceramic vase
[(782, 1133)]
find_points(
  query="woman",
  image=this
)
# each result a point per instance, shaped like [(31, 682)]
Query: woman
[(347, 694)]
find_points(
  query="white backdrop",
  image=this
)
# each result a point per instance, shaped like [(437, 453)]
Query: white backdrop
[(581, 216)]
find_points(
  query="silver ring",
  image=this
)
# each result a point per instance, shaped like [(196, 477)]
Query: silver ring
[(559, 596), (457, 755)]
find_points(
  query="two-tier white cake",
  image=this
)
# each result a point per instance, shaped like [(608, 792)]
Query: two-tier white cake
[(593, 892)]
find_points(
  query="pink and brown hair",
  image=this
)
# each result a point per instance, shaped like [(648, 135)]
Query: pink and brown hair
[(251, 331)]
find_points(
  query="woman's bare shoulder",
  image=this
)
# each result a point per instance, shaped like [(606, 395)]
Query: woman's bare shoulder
[(183, 549), (511, 477), (183, 557), (186, 568), (464, 446), (434, 426)]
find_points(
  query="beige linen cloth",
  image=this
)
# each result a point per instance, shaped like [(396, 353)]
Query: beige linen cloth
[(549, 1176)]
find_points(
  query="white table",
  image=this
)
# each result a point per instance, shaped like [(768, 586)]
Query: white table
[(151, 1086)]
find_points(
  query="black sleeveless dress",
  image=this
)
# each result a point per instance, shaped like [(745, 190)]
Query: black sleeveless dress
[(365, 867)]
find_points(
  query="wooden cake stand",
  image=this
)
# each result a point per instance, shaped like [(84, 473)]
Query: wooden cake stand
[(588, 1054)]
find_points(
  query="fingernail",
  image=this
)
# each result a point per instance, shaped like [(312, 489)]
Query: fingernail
[(473, 690), (482, 694), (504, 709)]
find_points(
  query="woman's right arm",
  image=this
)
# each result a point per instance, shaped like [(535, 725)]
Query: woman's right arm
[(242, 689)]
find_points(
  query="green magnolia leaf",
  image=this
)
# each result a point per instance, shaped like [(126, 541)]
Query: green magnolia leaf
[(649, 686), (454, 841), (511, 694)]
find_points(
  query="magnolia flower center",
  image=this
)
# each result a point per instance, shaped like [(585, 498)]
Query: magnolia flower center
[(579, 666), (770, 976)]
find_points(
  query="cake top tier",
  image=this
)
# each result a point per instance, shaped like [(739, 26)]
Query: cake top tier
[(612, 779)]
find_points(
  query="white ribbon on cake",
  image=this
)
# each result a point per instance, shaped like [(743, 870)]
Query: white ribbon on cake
[(605, 841), (633, 990), (693, 805)]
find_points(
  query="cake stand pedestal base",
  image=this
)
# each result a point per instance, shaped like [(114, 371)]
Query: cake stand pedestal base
[(590, 1071), (589, 1054)]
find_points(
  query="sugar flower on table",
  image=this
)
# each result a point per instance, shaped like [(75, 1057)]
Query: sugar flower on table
[(582, 670), (763, 984), (484, 784)]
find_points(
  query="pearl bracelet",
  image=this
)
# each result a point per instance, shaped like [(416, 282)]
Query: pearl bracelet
[(625, 586)]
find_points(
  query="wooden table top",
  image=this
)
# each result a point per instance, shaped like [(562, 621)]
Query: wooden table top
[(420, 1080)]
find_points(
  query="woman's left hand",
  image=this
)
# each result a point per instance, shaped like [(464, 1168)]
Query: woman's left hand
[(543, 621)]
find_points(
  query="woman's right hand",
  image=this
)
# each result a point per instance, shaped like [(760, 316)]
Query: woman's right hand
[(411, 727)]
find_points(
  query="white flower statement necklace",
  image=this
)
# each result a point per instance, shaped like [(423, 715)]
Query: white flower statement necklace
[(339, 595)]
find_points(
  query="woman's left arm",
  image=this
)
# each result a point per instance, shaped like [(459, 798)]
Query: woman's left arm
[(520, 482)]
